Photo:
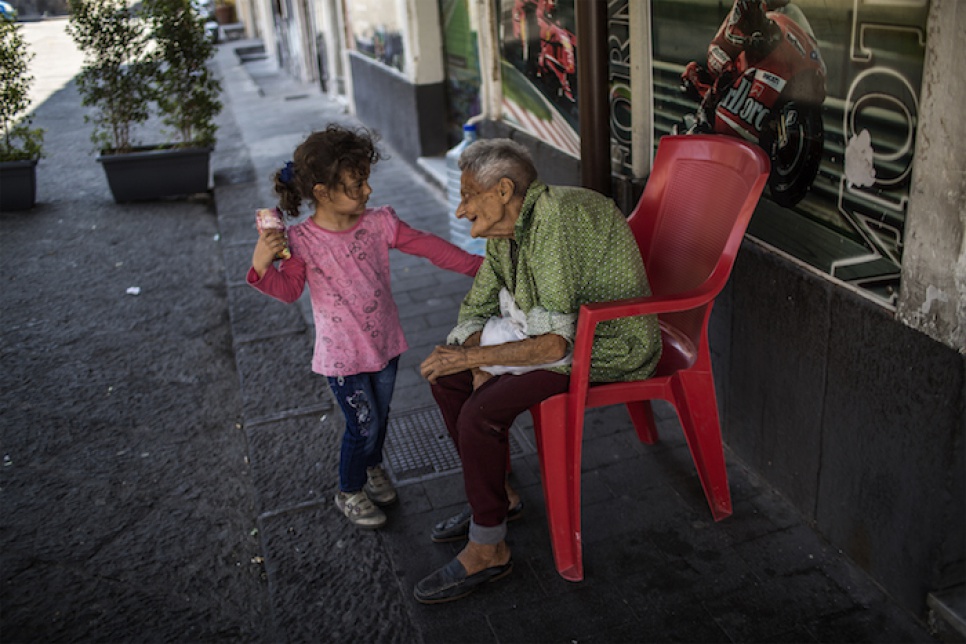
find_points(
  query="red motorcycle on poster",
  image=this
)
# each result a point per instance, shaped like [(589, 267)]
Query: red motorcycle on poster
[(534, 19), (765, 82)]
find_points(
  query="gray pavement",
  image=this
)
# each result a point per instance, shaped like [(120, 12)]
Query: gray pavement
[(169, 460)]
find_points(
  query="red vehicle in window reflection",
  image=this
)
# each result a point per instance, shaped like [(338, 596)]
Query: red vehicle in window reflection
[(772, 94), (533, 19)]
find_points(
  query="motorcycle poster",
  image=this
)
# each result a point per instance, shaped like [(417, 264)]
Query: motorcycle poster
[(765, 82), (539, 69), (830, 90)]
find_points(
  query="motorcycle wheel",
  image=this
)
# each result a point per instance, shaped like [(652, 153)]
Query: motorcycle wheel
[(794, 165)]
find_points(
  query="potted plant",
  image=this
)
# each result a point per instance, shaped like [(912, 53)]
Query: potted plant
[(185, 93), (21, 145), (116, 77), (135, 60)]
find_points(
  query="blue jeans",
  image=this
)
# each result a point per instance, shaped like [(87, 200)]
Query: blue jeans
[(364, 400)]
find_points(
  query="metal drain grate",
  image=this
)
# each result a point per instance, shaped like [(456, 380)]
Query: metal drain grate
[(418, 446)]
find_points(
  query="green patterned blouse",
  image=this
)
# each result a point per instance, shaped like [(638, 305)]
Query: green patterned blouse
[(571, 246)]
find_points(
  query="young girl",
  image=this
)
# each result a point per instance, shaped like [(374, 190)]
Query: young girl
[(342, 253)]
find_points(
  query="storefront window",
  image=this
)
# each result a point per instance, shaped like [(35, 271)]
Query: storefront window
[(462, 65), (377, 30), (538, 51), (831, 89)]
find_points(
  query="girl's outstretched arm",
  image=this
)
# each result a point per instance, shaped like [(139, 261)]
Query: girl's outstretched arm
[(436, 249)]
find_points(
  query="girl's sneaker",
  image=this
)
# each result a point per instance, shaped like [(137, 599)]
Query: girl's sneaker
[(378, 486), (360, 510)]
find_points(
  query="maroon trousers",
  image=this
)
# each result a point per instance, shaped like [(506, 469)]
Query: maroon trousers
[(479, 422)]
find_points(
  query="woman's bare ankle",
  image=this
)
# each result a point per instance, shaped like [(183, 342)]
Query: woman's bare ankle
[(477, 556), (512, 496)]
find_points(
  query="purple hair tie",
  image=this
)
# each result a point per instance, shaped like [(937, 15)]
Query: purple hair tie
[(287, 173)]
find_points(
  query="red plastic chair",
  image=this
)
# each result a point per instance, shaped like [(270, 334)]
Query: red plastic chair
[(688, 224)]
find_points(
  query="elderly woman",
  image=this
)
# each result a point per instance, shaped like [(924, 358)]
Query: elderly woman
[(553, 249)]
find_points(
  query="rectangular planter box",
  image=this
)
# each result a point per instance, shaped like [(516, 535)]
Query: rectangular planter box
[(155, 173), (18, 185)]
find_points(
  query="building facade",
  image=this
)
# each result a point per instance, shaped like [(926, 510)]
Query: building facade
[(839, 342)]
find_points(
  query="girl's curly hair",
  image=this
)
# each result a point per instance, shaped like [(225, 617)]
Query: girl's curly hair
[(323, 158)]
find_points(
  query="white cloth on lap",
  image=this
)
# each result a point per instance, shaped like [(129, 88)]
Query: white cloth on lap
[(511, 326)]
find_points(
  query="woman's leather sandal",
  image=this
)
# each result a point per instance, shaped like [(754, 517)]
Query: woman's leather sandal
[(451, 582)]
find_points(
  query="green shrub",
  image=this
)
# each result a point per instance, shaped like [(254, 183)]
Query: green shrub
[(119, 66), (20, 142), (187, 92)]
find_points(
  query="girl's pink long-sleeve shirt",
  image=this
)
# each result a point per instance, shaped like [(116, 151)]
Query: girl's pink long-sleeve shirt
[(357, 326)]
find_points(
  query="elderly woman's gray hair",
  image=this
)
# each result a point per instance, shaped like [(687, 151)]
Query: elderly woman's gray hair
[(489, 160)]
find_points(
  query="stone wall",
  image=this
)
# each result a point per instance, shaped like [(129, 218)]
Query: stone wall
[(405, 115), (854, 417), (933, 293)]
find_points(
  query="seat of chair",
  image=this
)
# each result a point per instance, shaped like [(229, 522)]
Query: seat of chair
[(678, 353)]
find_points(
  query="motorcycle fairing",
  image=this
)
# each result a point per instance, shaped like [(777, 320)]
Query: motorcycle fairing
[(746, 106)]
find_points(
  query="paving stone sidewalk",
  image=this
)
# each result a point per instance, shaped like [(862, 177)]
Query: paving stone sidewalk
[(658, 568), (169, 459), (126, 500)]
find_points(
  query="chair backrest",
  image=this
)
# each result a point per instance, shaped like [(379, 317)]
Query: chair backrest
[(693, 214)]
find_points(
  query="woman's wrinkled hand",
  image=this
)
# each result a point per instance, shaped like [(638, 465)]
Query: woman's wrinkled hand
[(445, 361)]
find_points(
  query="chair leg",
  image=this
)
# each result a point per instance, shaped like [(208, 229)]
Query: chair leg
[(561, 476), (698, 410), (643, 418)]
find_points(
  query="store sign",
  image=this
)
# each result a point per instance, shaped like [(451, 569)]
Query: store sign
[(619, 69)]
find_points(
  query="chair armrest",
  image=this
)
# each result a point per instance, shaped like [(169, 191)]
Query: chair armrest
[(590, 315), (597, 312)]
